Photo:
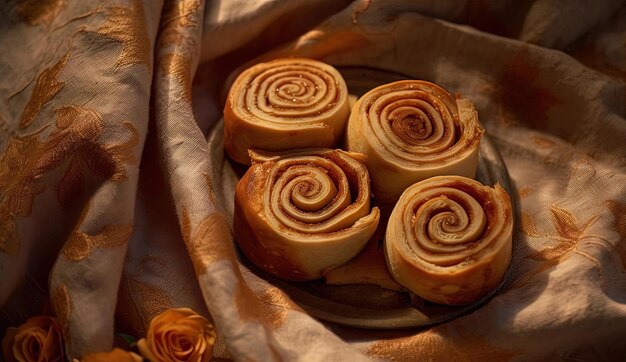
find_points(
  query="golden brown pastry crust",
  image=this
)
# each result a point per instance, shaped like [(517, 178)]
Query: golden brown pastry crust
[(449, 239), (300, 213), (411, 130), (285, 104)]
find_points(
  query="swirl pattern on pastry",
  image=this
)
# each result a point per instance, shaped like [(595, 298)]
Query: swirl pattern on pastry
[(285, 104), (449, 239), (297, 214), (411, 130)]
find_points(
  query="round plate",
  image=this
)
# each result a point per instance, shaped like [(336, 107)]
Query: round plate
[(370, 306)]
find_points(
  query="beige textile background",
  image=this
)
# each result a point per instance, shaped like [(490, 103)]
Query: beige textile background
[(112, 203)]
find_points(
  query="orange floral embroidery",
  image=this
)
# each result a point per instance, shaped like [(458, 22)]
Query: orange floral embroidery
[(80, 245), (76, 139), (528, 225), (127, 25), (46, 87), (18, 188), (181, 13), (211, 240), (75, 142), (437, 344), (568, 234), (179, 18), (178, 15)]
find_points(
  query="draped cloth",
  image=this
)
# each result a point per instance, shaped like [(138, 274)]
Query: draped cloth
[(115, 205)]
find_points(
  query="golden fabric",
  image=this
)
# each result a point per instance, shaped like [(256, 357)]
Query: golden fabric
[(117, 198)]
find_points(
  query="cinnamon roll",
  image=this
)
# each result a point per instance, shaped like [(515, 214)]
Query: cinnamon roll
[(449, 239), (285, 104), (301, 213), (411, 130)]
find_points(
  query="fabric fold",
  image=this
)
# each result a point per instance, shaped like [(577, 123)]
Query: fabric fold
[(117, 198)]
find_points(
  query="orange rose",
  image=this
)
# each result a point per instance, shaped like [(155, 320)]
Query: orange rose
[(178, 335), (115, 355), (39, 339)]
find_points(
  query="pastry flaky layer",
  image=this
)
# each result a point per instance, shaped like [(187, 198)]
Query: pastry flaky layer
[(411, 130), (300, 213), (285, 104), (449, 239)]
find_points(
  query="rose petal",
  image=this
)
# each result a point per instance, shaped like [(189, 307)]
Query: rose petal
[(178, 335)]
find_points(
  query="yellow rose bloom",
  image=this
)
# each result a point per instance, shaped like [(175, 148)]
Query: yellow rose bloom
[(178, 335), (39, 339)]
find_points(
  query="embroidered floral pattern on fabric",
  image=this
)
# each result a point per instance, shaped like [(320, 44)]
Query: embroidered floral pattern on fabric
[(80, 245), (178, 66), (127, 25), (75, 142), (211, 240), (178, 16), (46, 87), (77, 139), (18, 189)]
